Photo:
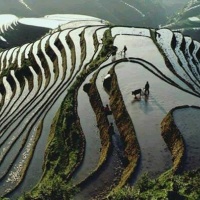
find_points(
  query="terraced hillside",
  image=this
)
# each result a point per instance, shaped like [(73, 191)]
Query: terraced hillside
[(16, 31), (54, 133), (187, 20), (128, 12)]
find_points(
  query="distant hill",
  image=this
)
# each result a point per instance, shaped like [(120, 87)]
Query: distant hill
[(187, 20), (149, 13)]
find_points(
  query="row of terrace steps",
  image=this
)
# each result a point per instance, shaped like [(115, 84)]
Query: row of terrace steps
[(39, 72), (127, 31), (40, 62), (186, 53), (7, 27), (182, 53)]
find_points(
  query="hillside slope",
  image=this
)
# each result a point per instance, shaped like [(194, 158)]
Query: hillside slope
[(54, 133), (187, 20)]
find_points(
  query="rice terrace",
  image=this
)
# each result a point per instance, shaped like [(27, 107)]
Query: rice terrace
[(56, 140)]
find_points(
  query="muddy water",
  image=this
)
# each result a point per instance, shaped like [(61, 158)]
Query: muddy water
[(147, 114)]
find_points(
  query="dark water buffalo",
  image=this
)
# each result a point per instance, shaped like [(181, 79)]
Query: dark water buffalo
[(138, 91)]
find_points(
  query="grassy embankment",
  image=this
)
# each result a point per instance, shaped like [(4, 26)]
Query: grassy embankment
[(172, 184), (66, 141), (65, 147), (169, 185), (102, 124), (21, 73), (97, 105), (126, 130)]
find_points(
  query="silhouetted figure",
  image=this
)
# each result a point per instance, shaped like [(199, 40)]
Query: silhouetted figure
[(124, 49), (111, 129), (107, 110), (146, 88)]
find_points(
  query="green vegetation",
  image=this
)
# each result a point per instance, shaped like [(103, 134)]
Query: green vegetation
[(126, 130), (167, 186), (55, 189), (105, 51), (62, 155), (95, 41), (66, 143), (102, 121), (5, 72)]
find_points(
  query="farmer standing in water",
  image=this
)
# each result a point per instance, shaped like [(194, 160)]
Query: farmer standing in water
[(124, 49), (146, 88)]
